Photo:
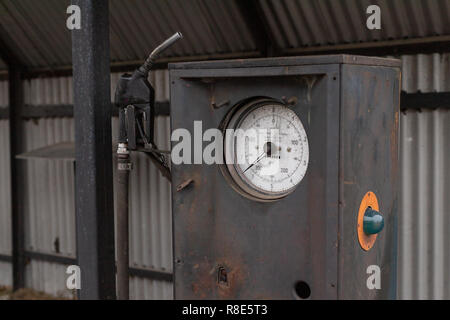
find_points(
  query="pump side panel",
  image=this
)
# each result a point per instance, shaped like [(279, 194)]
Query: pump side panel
[(368, 162)]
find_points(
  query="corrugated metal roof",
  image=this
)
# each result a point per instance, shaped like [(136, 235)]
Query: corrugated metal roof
[(214, 27), (38, 30), (40, 34), (298, 23)]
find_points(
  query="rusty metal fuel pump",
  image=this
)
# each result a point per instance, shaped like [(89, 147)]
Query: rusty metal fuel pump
[(135, 98), (308, 212)]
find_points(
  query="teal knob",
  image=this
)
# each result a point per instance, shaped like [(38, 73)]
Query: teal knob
[(373, 221)]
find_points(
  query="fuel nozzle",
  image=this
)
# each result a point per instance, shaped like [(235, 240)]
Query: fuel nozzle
[(135, 98), (147, 66), (134, 89)]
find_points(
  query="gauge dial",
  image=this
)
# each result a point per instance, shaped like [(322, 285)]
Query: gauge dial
[(266, 149)]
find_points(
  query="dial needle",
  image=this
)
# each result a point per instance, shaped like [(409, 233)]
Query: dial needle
[(256, 161)]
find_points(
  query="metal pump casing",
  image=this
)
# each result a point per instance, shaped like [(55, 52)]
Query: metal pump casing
[(305, 245)]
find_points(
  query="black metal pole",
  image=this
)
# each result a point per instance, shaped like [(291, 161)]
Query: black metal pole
[(123, 260), (93, 146), (16, 142)]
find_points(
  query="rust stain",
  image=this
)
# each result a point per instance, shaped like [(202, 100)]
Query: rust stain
[(219, 278), (235, 281)]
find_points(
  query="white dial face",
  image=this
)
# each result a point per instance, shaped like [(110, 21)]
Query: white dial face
[(271, 151)]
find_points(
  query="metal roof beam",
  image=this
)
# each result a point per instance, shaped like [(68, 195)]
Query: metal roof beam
[(380, 48), (259, 27), (7, 52), (429, 100)]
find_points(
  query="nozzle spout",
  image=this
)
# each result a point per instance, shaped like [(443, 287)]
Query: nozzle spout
[(146, 67)]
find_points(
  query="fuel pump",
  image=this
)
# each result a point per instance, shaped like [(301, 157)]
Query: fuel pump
[(135, 98), (302, 201)]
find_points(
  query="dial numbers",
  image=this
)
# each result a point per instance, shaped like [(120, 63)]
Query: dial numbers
[(273, 159), (282, 169)]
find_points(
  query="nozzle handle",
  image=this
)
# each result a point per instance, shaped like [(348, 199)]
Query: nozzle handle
[(146, 67)]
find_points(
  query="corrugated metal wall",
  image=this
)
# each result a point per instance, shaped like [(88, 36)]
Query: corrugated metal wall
[(424, 249), (424, 221), (48, 204), (424, 246), (49, 196), (426, 73)]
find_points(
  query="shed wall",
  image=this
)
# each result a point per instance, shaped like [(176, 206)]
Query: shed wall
[(424, 217)]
